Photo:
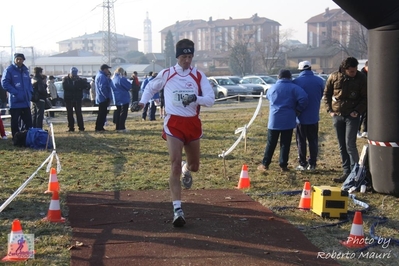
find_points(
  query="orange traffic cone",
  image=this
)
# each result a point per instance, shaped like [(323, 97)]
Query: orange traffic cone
[(53, 184), (54, 212), (356, 236), (17, 249), (305, 202), (244, 179)]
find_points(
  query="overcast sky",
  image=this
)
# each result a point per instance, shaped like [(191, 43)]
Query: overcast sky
[(44, 23)]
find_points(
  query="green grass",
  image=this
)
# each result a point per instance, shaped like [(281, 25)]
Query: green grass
[(139, 161)]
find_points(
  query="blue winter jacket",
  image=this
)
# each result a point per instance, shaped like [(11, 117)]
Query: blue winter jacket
[(121, 89), (17, 82), (314, 87), (103, 87), (144, 84), (285, 99)]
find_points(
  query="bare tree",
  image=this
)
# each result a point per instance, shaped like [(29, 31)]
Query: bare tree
[(240, 60), (354, 42), (270, 53)]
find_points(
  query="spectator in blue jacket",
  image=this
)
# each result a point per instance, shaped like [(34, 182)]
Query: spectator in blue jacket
[(121, 90), (308, 127), (142, 88), (154, 102), (286, 100), (103, 95), (17, 82)]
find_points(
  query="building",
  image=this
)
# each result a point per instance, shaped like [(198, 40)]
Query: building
[(216, 38), (332, 27), (222, 34), (94, 43), (332, 36), (323, 59), (88, 64)]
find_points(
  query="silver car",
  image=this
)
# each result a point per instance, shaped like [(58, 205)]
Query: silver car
[(224, 87), (254, 89), (265, 81)]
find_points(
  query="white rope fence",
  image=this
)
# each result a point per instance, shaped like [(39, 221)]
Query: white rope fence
[(244, 131), (49, 160)]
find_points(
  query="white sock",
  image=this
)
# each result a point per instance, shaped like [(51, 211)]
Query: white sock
[(176, 204), (184, 169)]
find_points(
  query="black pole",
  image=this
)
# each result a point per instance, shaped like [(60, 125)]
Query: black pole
[(383, 109), (381, 18)]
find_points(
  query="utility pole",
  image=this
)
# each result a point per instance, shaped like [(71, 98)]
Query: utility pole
[(110, 45)]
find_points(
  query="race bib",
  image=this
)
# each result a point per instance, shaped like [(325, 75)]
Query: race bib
[(178, 96)]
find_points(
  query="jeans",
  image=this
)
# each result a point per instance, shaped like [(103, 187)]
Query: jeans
[(70, 105), (346, 129), (285, 145), (153, 110), (363, 120), (145, 110), (3, 104), (134, 95), (102, 115), (38, 114), (309, 133), (120, 115), (20, 113)]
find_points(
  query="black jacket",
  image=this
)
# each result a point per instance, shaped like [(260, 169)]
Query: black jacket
[(73, 88), (39, 88)]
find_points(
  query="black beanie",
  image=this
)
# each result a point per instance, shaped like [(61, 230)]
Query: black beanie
[(284, 74), (19, 55)]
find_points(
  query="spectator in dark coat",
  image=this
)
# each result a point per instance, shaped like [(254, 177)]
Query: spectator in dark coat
[(38, 97), (73, 93), (363, 117), (345, 98), (134, 92)]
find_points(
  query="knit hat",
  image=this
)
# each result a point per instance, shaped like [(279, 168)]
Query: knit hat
[(284, 74), (19, 55), (104, 66), (74, 71)]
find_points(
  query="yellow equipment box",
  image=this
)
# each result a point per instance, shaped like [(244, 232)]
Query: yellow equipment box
[(330, 202)]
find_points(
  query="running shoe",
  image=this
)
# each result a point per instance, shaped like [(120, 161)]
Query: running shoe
[(186, 178), (301, 167), (178, 218)]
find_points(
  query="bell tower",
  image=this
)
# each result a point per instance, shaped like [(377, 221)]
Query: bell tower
[(147, 36)]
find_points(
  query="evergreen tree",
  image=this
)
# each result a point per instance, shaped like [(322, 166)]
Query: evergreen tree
[(135, 57), (169, 52)]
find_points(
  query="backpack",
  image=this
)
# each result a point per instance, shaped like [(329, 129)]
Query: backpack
[(360, 174), (38, 139)]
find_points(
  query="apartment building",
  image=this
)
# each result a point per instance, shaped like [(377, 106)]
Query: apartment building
[(222, 34), (332, 36), (331, 27), (94, 43)]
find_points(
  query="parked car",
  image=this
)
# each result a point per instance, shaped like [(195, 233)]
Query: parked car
[(265, 81), (60, 102), (254, 89), (224, 87)]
